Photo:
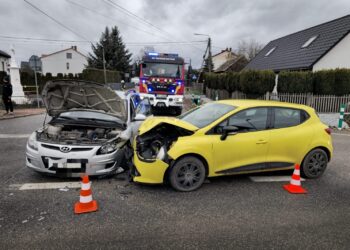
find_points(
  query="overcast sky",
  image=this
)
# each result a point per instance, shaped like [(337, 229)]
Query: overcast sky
[(226, 21)]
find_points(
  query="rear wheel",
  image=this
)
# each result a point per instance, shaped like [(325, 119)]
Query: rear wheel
[(187, 174), (314, 164)]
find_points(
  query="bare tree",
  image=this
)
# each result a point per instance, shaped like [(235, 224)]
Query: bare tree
[(249, 49)]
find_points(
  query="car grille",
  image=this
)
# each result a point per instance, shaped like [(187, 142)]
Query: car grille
[(74, 149)]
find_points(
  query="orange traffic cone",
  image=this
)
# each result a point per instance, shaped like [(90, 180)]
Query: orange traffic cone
[(86, 204), (295, 184)]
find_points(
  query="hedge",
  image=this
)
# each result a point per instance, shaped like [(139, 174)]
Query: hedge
[(95, 75), (295, 82), (255, 83), (250, 82)]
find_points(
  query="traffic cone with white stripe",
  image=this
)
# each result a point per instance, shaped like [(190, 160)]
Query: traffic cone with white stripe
[(85, 204), (295, 184)]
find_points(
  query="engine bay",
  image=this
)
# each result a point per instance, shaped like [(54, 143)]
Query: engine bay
[(155, 143), (73, 134)]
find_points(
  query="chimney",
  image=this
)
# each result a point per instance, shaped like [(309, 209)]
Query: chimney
[(74, 48)]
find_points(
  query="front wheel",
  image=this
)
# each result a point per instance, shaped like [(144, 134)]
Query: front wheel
[(314, 164), (178, 111), (187, 174)]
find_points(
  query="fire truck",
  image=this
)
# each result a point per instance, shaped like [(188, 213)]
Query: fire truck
[(162, 81)]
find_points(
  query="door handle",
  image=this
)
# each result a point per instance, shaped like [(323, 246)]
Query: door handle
[(261, 142)]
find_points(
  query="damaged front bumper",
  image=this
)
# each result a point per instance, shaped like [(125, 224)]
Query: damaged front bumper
[(148, 172)]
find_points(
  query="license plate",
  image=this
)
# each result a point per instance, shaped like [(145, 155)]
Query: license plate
[(63, 164), (160, 104), (73, 165), (161, 96)]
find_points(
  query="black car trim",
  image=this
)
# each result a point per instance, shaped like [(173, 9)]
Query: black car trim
[(256, 167)]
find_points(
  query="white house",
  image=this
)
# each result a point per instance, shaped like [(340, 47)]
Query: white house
[(324, 46), (65, 61), (4, 61), (222, 57)]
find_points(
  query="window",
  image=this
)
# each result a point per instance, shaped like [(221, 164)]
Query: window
[(308, 42), (286, 117), (69, 55), (67, 66), (270, 51), (3, 66), (254, 119), (206, 114)]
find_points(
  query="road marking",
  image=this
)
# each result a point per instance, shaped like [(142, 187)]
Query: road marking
[(47, 185), (9, 136), (271, 178)]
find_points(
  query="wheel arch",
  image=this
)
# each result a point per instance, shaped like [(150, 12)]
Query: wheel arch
[(198, 156), (319, 147)]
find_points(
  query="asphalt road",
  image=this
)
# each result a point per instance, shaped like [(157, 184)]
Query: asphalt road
[(226, 213)]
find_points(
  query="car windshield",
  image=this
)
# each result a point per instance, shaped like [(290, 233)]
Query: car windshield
[(89, 115), (206, 114), (161, 70)]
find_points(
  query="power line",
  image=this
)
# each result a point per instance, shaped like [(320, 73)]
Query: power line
[(60, 41), (56, 21), (108, 17), (131, 14), (140, 19)]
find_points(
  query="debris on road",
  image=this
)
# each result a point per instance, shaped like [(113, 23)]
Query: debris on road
[(65, 189)]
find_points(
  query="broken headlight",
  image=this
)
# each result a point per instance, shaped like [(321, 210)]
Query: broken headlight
[(32, 143), (108, 147)]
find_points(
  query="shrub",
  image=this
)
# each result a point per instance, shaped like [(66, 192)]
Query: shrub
[(295, 82), (255, 83)]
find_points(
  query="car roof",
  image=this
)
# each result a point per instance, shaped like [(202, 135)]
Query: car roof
[(262, 103)]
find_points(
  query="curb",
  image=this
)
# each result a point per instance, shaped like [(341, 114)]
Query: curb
[(19, 116)]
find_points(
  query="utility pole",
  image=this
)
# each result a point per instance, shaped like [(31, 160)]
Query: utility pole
[(36, 82), (209, 55), (104, 63)]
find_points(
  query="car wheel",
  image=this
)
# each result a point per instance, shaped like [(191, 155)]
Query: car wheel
[(314, 164), (187, 174), (178, 111)]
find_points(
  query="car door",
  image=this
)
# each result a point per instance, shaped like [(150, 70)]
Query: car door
[(245, 150), (290, 136)]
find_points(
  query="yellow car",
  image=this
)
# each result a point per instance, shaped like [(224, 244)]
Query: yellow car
[(230, 137)]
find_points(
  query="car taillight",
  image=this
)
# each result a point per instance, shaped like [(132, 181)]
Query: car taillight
[(328, 131)]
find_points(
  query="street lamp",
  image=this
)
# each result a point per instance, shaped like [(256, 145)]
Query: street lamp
[(209, 49)]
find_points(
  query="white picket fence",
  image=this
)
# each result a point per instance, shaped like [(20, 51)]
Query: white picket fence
[(321, 103)]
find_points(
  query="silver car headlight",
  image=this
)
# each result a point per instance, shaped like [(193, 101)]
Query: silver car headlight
[(108, 147), (32, 143)]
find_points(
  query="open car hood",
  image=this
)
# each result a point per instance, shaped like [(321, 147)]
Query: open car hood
[(152, 122), (67, 95)]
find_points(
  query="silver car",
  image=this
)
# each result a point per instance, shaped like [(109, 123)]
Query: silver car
[(90, 126)]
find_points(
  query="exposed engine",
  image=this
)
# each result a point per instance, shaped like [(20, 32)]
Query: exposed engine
[(155, 143), (70, 134)]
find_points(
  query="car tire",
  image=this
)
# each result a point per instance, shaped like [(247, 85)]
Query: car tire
[(178, 111), (187, 174), (314, 164)]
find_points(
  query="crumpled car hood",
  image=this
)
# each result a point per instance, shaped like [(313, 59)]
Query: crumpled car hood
[(66, 95), (152, 122)]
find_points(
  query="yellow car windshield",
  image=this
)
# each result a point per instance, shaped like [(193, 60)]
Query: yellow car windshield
[(206, 114)]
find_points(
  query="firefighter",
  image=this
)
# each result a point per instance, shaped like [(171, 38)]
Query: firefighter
[(6, 95)]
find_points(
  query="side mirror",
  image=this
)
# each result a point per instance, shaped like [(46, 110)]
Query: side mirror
[(144, 65), (228, 130), (139, 117)]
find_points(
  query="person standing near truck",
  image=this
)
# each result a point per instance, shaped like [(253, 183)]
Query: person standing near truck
[(6, 95)]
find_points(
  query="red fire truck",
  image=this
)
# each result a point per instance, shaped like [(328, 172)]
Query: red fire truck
[(162, 80)]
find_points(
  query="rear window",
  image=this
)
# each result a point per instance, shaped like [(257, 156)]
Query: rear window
[(287, 117)]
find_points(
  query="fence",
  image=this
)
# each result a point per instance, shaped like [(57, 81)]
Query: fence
[(321, 103)]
